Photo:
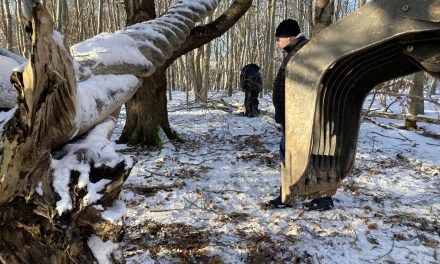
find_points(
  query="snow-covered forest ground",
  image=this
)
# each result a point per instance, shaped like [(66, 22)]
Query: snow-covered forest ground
[(199, 200)]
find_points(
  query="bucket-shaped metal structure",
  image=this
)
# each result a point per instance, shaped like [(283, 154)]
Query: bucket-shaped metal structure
[(329, 78)]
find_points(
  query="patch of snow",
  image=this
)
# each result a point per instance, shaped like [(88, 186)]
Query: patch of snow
[(115, 213), (95, 94), (101, 250), (93, 190), (97, 147), (7, 92), (59, 39), (39, 188), (212, 184), (110, 49)]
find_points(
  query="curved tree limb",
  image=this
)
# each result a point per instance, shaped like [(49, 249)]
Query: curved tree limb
[(146, 45), (149, 103), (203, 34), (136, 50)]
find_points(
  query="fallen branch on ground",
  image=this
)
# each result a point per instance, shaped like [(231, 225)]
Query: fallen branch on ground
[(406, 117)]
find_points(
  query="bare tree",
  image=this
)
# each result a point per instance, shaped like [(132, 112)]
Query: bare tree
[(323, 15), (147, 110), (416, 105), (8, 24), (62, 14), (100, 15), (270, 47), (205, 68), (434, 84)]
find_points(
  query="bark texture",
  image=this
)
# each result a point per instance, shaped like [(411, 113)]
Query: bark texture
[(147, 112), (416, 105), (139, 11), (323, 15)]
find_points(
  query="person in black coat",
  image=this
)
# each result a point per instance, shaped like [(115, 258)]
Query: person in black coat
[(291, 40), (250, 83)]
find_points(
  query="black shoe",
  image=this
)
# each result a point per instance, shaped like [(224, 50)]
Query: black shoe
[(277, 203), (319, 204)]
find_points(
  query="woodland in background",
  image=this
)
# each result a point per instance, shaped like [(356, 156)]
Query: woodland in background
[(216, 65)]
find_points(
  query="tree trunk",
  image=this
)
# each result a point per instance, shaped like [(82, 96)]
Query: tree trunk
[(47, 214), (196, 64), (111, 17), (146, 112), (301, 18), (416, 106), (148, 116), (230, 72), (205, 68), (59, 15), (79, 36), (8, 32), (323, 15), (433, 90), (139, 11), (100, 16), (20, 41), (383, 101), (147, 132), (270, 48)]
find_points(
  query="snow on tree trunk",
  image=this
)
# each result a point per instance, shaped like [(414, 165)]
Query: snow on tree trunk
[(144, 120), (58, 203)]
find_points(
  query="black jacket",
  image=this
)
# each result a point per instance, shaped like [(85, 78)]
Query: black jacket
[(250, 78), (280, 84)]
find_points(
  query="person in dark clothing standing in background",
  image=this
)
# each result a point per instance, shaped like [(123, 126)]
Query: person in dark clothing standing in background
[(290, 39), (250, 83)]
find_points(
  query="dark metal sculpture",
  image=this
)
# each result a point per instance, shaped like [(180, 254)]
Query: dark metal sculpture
[(329, 78)]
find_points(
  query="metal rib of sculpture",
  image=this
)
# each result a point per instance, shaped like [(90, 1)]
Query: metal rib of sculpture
[(328, 80)]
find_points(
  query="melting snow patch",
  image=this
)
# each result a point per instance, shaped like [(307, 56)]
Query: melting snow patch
[(101, 250)]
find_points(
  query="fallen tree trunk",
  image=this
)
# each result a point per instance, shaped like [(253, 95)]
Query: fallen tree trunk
[(59, 202), (406, 117), (56, 199)]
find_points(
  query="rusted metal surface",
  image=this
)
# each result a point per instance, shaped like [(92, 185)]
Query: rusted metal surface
[(329, 78)]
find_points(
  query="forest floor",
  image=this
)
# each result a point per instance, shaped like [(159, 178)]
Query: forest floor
[(200, 200)]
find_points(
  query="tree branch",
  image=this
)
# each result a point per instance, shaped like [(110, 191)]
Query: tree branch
[(203, 34)]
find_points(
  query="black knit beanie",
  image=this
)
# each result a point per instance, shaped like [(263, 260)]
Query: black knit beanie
[(287, 28)]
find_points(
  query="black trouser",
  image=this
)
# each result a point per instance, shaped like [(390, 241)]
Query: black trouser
[(251, 103)]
